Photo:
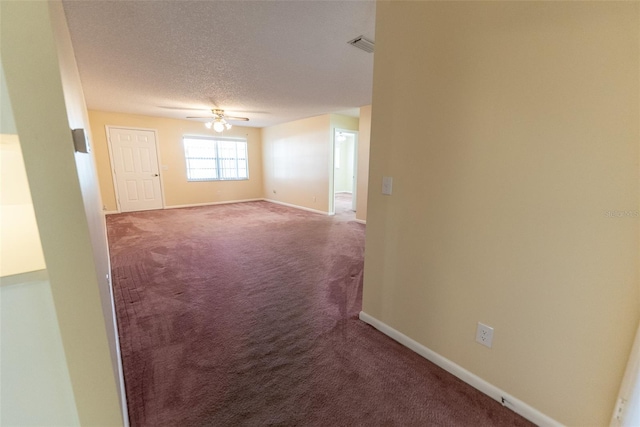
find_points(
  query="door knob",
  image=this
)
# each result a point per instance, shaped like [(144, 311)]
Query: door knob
[(155, 174)]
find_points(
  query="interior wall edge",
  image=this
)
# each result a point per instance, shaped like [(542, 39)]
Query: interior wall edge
[(22, 278), (32, 67)]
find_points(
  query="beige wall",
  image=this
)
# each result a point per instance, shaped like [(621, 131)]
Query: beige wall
[(40, 78), (510, 134), (177, 190), (364, 136), (299, 149), (296, 162)]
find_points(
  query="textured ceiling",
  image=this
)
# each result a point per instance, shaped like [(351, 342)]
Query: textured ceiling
[(271, 61)]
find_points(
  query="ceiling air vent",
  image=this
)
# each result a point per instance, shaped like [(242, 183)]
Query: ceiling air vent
[(361, 42)]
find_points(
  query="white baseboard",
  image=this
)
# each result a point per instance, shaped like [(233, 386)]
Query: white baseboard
[(226, 202), (296, 206), (473, 380), (193, 205), (361, 221)]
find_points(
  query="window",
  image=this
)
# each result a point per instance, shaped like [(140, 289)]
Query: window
[(215, 159)]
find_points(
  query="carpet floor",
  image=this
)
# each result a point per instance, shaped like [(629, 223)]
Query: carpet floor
[(246, 315)]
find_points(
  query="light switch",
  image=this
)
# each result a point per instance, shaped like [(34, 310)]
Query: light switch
[(387, 185)]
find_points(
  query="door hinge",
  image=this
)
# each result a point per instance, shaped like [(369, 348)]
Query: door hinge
[(618, 413)]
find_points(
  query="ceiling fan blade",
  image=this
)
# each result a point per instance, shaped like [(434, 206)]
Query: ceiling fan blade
[(201, 117), (185, 108), (237, 119)]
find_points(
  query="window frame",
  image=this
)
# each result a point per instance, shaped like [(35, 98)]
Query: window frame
[(218, 160)]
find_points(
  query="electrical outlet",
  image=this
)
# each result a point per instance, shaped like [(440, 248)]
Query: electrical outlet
[(484, 334)]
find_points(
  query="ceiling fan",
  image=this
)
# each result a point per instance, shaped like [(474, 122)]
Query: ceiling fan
[(219, 120)]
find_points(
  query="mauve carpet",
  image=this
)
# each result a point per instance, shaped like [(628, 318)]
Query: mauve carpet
[(246, 315)]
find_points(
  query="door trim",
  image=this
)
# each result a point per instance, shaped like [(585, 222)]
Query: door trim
[(332, 170), (112, 168)]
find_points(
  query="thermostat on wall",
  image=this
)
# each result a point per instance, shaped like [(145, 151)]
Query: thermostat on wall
[(80, 142)]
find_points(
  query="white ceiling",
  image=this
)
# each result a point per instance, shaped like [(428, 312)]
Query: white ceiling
[(271, 61)]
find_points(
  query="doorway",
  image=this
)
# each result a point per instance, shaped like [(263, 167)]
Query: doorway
[(344, 171), (136, 176)]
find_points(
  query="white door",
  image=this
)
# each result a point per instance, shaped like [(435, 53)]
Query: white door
[(135, 169)]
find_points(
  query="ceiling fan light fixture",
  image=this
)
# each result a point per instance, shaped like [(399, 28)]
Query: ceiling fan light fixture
[(218, 126), (218, 121)]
